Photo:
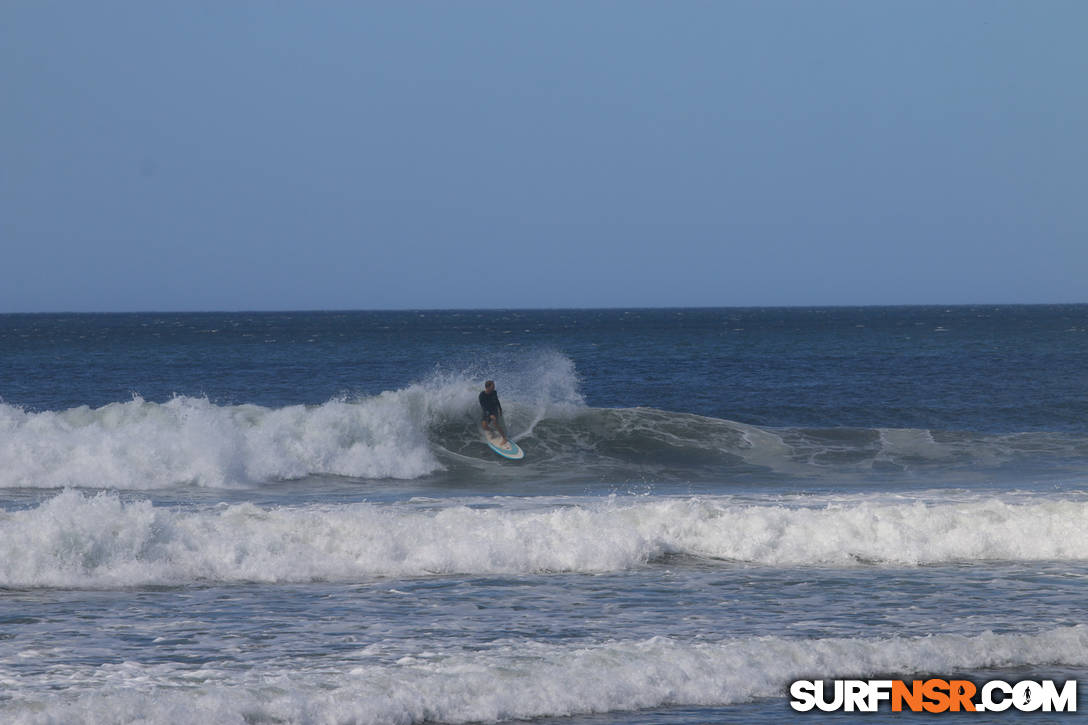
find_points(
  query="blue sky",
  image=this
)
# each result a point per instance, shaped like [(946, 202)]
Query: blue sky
[(371, 155)]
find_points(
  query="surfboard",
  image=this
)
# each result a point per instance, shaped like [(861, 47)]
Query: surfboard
[(508, 450)]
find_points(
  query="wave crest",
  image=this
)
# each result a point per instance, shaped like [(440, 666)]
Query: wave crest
[(76, 540), (144, 445), (432, 426)]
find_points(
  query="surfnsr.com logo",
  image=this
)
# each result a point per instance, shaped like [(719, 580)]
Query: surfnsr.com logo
[(933, 695)]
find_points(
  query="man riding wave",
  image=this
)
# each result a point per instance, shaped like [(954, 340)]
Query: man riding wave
[(492, 410)]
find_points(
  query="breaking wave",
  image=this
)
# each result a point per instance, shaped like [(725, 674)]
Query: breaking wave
[(80, 540), (143, 445), (430, 428)]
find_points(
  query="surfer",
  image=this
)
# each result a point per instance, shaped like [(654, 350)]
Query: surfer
[(489, 401)]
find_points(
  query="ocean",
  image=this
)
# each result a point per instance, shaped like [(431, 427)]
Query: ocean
[(292, 517)]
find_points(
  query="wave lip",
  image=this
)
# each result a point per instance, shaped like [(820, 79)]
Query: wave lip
[(519, 680), (76, 540)]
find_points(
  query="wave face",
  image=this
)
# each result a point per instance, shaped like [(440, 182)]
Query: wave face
[(431, 427), (662, 444), (76, 540), (523, 680)]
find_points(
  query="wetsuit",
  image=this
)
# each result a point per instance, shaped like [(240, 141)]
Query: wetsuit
[(490, 403)]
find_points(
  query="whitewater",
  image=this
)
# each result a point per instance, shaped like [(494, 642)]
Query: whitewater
[(292, 517), (77, 540)]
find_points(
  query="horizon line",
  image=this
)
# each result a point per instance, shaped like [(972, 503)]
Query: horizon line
[(335, 310)]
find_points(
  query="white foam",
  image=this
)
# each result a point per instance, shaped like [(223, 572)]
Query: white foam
[(76, 540), (145, 445), (508, 680)]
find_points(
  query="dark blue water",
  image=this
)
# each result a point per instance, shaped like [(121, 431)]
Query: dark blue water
[(292, 518), (980, 369)]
